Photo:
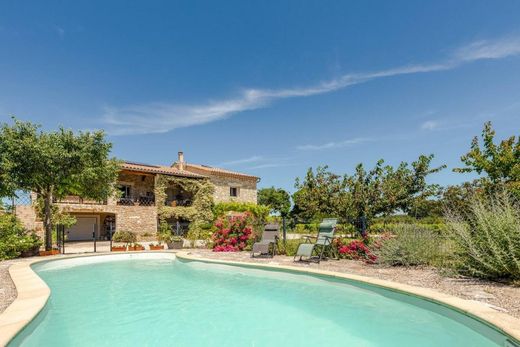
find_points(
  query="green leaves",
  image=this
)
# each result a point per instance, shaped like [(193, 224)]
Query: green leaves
[(380, 191), (500, 163), (60, 161), (55, 164), (277, 199)]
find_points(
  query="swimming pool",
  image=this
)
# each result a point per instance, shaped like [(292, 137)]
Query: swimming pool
[(117, 300)]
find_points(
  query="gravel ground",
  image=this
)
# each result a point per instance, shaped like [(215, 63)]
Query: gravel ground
[(502, 297), (7, 289)]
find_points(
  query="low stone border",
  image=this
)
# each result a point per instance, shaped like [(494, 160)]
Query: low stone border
[(33, 294), (508, 325)]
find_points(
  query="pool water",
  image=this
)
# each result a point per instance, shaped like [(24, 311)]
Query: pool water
[(150, 302)]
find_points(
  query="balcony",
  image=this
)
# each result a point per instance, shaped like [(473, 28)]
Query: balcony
[(136, 201), (78, 200), (178, 202)]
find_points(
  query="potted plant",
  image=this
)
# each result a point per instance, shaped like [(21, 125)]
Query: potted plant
[(53, 251), (136, 247), (126, 237), (156, 246), (174, 242)]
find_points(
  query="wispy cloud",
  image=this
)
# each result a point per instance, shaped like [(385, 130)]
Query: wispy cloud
[(329, 145), (164, 117), (430, 125), (59, 31), (252, 159), (270, 165)]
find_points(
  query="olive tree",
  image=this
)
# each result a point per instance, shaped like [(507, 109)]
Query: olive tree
[(54, 164)]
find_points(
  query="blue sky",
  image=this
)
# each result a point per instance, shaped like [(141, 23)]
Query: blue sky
[(269, 87)]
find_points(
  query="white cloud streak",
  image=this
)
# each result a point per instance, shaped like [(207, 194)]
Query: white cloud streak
[(330, 145), (269, 166), (252, 159), (163, 117), (429, 125)]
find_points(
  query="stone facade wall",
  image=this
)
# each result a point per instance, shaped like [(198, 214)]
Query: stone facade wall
[(246, 189), (27, 215), (141, 220)]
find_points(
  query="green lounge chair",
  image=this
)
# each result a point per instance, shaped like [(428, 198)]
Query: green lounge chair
[(323, 243), (269, 243)]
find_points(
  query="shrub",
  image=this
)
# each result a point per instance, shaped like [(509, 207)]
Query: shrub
[(14, 239), (289, 248), (381, 227), (232, 233), (410, 245), (124, 236), (488, 236), (355, 249), (258, 213), (312, 228)]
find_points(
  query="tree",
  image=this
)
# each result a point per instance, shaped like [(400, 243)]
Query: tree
[(457, 198), (277, 199), (55, 164), (385, 189), (382, 190), (320, 194), (500, 163)]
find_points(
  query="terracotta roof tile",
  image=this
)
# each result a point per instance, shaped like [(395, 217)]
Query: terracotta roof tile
[(218, 171), (159, 169)]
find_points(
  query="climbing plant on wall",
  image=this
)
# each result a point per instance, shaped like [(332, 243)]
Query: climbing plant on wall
[(199, 214)]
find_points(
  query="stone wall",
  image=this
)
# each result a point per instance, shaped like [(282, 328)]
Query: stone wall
[(27, 215), (246, 189), (141, 220)]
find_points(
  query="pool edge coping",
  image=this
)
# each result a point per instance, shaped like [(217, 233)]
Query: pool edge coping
[(502, 322), (33, 293)]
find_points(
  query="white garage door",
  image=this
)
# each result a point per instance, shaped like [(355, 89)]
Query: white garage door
[(82, 230)]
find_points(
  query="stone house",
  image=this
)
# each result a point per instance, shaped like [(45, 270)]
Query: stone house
[(136, 207)]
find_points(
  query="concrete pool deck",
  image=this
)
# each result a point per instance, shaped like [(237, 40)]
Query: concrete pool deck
[(33, 292)]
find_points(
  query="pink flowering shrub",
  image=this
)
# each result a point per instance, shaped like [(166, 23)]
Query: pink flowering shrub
[(232, 233), (356, 250)]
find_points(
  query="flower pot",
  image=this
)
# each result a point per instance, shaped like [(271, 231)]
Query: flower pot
[(118, 248), (175, 244), (51, 252), (156, 248), (135, 248), (31, 252)]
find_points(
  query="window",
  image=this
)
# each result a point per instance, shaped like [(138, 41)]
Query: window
[(233, 191), (125, 191)]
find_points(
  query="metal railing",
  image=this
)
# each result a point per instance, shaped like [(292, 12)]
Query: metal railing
[(136, 201), (73, 199), (178, 202)]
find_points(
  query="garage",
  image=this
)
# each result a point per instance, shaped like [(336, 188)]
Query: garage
[(83, 229)]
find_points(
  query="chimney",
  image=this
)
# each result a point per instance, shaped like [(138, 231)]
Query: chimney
[(180, 161)]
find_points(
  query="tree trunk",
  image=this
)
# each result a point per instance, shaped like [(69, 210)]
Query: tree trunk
[(47, 221)]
